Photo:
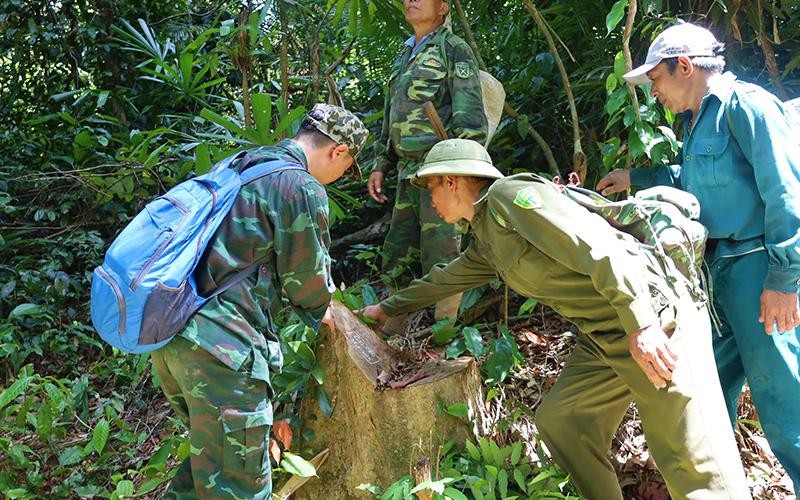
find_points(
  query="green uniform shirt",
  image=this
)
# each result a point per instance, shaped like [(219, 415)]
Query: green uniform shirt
[(283, 217), (547, 247), (442, 70)]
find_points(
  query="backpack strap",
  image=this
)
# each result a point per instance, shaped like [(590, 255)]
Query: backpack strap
[(252, 171)]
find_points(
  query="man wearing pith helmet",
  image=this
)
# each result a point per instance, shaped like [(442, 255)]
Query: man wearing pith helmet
[(642, 339), (740, 158), (216, 371)]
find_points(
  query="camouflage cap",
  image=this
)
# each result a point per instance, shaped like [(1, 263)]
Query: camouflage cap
[(462, 157), (343, 127)]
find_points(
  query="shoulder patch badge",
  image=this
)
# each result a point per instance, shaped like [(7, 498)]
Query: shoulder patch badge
[(462, 69), (527, 198)]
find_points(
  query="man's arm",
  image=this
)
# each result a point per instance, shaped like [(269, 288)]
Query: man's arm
[(468, 117), (301, 252), (467, 271), (621, 179), (765, 135), (387, 158)]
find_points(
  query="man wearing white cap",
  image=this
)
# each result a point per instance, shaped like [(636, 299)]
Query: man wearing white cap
[(642, 337), (740, 158)]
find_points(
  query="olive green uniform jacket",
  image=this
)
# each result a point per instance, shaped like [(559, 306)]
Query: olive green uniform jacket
[(549, 248)]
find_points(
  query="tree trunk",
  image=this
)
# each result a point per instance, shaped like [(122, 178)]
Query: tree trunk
[(377, 435)]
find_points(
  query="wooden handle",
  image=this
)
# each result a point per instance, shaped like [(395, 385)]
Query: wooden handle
[(435, 119)]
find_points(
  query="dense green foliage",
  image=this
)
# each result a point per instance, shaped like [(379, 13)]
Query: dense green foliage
[(105, 104)]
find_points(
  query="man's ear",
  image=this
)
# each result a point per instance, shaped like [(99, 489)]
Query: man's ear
[(339, 150), (685, 65), (444, 8), (451, 181)]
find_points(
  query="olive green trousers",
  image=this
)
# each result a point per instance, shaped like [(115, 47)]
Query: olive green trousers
[(686, 424)]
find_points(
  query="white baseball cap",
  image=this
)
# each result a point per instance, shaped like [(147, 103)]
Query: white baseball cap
[(680, 40)]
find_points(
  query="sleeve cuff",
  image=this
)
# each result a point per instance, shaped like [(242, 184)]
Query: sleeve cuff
[(390, 306), (642, 177), (637, 315), (782, 280)]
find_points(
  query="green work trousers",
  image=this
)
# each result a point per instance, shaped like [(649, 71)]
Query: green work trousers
[(415, 225), (228, 415), (685, 425)]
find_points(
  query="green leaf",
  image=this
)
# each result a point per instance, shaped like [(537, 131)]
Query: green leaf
[(502, 483), (24, 310), (457, 410), (516, 452), (454, 494), (369, 295), (522, 126), (124, 489), (202, 159), (473, 341), (519, 478), (528, 305), (100, 436), (442, 332), (70, 456), (616, 100), (18, 493), (619, 66), (44, 421), (14, 391), (472, 450), (500, 361), (262, 116), (297, 465), (615, 15), (323, 401), (455, 349), (318, 372), (611, 83)]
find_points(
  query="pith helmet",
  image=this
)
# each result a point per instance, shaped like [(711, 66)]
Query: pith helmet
[(462, 157), (341, 126)]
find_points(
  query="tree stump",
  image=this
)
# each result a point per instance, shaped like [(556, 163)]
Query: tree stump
[(377, 435)]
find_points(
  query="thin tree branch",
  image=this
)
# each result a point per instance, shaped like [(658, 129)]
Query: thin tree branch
[(284, 54), (626, 51), (548, 153), (578, 156)]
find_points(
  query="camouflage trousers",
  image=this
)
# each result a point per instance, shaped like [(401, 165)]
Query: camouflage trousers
[(415, 227), (228, 415)]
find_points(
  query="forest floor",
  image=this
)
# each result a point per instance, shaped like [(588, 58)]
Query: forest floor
[(546, 341)]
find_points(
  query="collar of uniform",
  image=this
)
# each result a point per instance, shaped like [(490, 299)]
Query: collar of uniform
[(722, 86), (482, 195), (411, 41), (293, 150)]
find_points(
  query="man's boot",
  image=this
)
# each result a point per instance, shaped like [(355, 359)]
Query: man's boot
[(448, 308)]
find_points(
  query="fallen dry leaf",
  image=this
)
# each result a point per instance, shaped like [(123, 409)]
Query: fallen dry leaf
[(283, 431)]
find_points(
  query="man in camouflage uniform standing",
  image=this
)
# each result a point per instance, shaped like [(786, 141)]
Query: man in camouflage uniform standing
[(215, 372), (437, 66)]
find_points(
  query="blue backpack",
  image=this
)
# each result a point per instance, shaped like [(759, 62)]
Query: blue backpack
[(144, 292)]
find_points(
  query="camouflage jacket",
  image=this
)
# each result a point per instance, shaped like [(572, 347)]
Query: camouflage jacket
[(444, 71), (546, 246), (282, 217)]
